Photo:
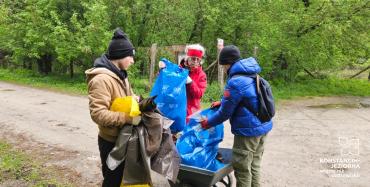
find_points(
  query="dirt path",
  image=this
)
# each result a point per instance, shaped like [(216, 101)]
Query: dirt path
[(48, 122), (307, 139)]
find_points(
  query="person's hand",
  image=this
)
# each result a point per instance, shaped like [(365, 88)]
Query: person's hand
[(134, 120), (204, 123), (188, 80), (216, 104), (161, 65), (148, 104), (176, 136)]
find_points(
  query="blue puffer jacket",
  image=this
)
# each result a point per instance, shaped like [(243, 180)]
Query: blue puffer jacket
[(238, 90)]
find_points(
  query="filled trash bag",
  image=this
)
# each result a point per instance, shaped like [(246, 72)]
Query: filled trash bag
[(129, 106), (170, 90), (149, 154), (198, 147)]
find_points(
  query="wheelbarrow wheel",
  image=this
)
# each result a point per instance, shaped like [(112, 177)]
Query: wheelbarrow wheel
[(229, 182)]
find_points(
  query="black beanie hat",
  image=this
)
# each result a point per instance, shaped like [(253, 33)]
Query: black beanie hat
[(120, 46), (228, 55)]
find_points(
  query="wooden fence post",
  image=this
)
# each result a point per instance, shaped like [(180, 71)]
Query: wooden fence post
[(153, 52), (220, 74), (255, 51)]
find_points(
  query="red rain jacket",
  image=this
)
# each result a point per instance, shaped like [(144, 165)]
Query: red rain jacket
[(195, 90)]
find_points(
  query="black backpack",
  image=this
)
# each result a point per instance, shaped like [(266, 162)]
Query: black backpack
[(266, 105)]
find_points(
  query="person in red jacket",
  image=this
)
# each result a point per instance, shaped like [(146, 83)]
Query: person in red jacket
[(196, 82)]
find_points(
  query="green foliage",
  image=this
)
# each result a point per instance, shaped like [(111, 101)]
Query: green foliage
[(213, 93), (9, 162), (290, 35), (140, 87)]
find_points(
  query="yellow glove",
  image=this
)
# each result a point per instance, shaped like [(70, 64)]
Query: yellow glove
[(127, 105), (130, 107)]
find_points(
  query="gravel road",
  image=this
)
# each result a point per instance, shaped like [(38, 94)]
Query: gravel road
[(321, 141)]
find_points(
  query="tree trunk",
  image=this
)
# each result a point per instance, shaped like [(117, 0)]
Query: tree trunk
[(44, 64), (29, 65), (142, 32), (198, 26), (40, 68), (47, 64), (279, 65), (306, 3), (71, 70), (2, 59), (153, 53)]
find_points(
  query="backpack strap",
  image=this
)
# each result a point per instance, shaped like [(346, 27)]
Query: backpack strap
[(258, 83)]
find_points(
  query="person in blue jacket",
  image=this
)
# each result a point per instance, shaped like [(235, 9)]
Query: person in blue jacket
[(249, 132)]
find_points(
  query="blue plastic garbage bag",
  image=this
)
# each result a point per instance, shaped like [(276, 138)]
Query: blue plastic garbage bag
[(198, 147), (171, 94)]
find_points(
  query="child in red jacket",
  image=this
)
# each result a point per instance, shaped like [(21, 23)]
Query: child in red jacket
[(196, 82)]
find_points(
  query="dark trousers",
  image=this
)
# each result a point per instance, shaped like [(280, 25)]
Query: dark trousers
[(111, 178)]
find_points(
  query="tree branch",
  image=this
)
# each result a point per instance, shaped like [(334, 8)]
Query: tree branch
[(317, 25), (353, 76), (213, 63), (308, 72)]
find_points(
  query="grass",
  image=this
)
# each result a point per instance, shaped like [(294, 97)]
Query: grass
[(322, 87), (60, 83), (303, 88), (18, 168), (282, 90)]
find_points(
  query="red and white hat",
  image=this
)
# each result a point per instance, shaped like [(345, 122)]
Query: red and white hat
[(195, 50)]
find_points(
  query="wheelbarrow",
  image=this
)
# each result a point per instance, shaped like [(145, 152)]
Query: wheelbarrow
[(190, 176)]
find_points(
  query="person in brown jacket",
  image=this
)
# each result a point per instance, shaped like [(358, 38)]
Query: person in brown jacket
[(107, 80)]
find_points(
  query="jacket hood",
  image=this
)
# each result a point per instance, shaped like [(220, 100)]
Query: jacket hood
[(104, 62), (247, 66), (91, 73)]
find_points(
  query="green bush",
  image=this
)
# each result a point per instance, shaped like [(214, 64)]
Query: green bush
[(213, 93)]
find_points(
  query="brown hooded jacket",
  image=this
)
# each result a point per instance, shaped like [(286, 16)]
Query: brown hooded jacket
[(104, 86)]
